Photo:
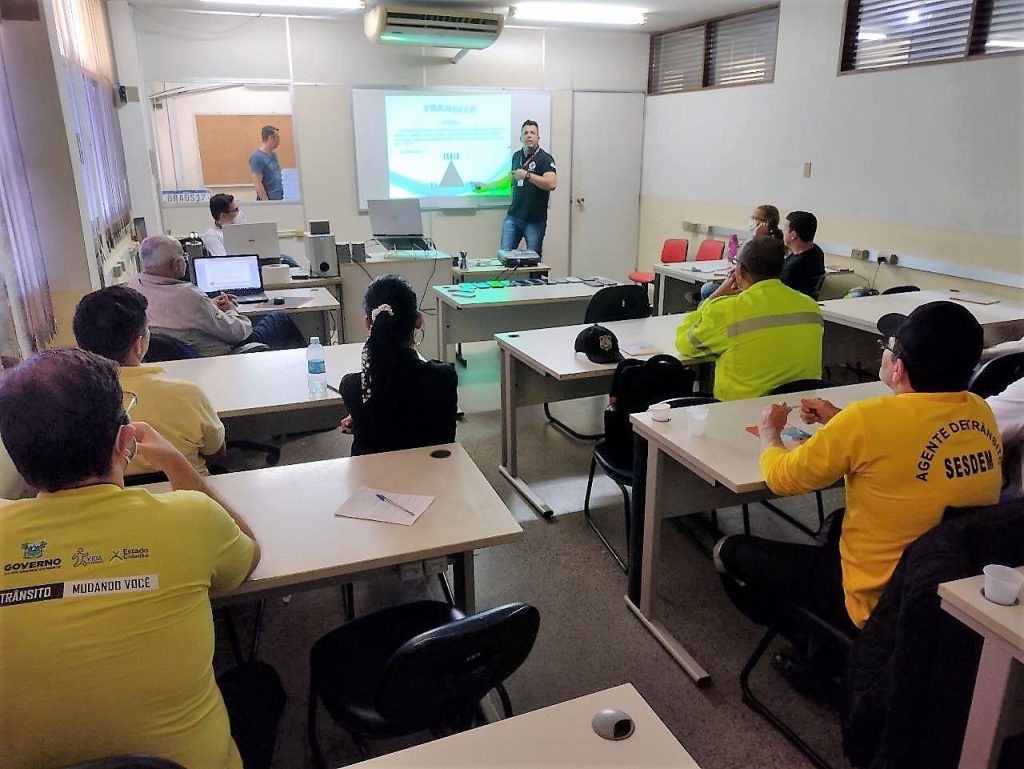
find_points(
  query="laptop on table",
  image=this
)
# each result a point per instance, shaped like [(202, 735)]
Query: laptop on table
[(238, 275)]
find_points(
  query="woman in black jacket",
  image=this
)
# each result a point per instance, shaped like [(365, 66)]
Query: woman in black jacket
[(398, 400)]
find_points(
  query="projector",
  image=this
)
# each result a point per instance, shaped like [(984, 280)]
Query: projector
[(518, 258)]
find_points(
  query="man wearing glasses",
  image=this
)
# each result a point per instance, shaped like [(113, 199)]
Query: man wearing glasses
[(905, 457), (104, 591), (112, 322), (224, 211)]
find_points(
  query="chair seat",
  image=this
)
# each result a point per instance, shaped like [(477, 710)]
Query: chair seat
[(641, 277), (346, 665), (617, 465)]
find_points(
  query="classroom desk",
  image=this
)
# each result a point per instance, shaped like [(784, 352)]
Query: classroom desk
[(541, 366), (298, 301), (488, 269), (305, 546), (556, 736), (512, 308), (266, 393), (673, 282), (312, 281), (687, 475), (1002, 627)]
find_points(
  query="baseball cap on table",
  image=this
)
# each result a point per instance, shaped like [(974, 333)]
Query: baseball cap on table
[(938, 339), (599, 344)]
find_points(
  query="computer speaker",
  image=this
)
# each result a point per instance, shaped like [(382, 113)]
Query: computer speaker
[(322, 256)]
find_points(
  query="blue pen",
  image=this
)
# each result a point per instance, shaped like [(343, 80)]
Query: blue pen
[(390, 501)]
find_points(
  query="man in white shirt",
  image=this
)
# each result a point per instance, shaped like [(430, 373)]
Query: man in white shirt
[(179, 309), (224, 210)]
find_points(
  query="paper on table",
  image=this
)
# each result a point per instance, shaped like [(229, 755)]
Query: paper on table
[(637, 348), (365, 504), (973, 298)]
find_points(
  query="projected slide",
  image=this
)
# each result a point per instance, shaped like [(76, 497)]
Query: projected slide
[(457, 145)]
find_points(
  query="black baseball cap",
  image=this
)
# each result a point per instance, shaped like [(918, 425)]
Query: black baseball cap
[(939, 342), (599, 344)]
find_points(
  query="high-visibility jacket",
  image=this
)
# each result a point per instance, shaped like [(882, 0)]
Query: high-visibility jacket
[(763, 337)]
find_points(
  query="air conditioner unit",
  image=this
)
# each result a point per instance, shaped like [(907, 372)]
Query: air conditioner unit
[(436, 27)]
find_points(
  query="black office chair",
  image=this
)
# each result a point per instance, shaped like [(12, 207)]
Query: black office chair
[(609, 304), (127, 762), (635, 386), (994, 376), (415, 667), (900, 290)]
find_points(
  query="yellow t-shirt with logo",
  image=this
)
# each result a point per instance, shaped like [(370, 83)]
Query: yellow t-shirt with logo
[(178, 410), (106, 629), (905, 459)]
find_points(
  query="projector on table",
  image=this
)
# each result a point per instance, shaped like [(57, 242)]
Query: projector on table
[(518, 258)]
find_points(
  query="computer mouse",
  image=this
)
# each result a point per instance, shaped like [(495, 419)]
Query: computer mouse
[(278, 300), (613, 724)]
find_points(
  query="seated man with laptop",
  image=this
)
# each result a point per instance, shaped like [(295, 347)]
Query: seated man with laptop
[(228, 219), (208, 321)]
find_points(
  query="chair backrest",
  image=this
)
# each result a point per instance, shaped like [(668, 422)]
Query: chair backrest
[(674, 250), (900, 290), (164, 347), (993, 376), (710, 250), (618, 303), (799, 385), (441, 674), (127, 762), (637, 384)]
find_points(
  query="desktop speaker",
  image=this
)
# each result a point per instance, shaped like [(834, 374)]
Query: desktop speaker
[(322, 256), (358, 252), (344, 251)]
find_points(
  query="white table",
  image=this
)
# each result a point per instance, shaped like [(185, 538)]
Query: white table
[(557, 736), (1002, 627), (297, 301), (266, 393), (542, 366), (686, 475), (305, 546), (489, 311)]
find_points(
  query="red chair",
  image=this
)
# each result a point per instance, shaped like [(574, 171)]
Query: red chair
[(674, 250), (710, 250)]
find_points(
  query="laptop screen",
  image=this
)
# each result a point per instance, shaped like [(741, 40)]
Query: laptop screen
[(395, 217), (228, 273)]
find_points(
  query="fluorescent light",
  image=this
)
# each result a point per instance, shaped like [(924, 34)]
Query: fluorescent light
[(870, 37), (1005, 44), (582, 13), (326, 5)]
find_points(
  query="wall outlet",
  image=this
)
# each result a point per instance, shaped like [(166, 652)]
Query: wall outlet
[(893, 260), (807, 170), (884, 257), (689, 226), (411, 571), (434, 566), (859, 253)]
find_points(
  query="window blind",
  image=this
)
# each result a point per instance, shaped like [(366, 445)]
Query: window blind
[(1005, 27), (741, 50), (677, 61)]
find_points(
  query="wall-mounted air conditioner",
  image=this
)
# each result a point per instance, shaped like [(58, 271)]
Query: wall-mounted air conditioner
[(437, 27)]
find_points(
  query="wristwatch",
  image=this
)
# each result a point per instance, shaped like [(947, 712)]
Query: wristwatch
[(527, 176)]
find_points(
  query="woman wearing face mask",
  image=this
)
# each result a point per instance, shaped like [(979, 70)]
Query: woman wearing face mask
[(763, 221)]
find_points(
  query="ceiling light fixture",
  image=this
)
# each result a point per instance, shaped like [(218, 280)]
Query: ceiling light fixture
[(582, 13), (320, 5)]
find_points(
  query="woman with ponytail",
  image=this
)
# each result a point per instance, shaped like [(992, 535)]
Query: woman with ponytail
[(398, 400)]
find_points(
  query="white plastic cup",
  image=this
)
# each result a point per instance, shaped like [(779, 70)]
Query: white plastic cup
[(659, 412), (1002, 584), (697, 418)]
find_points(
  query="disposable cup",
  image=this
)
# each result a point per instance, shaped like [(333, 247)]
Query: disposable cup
[(697, 417), (659, 412), (1002, 584)]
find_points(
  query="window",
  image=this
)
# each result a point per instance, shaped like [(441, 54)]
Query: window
[(733, 50), (894, 33)]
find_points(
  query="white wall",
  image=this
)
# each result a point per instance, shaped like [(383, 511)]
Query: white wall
[(925, 161), (325, 59)]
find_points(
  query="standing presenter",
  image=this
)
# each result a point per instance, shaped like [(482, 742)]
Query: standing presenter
[(533, 180)]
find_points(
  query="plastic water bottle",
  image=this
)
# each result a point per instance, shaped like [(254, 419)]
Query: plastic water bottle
[(316, 368), (734, 246)]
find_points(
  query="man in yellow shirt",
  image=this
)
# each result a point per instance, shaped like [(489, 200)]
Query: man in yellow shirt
[(112, 322), (763, 333), (105, 618), (905, 457)]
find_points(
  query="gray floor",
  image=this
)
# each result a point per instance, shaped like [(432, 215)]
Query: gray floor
[(588, 639)]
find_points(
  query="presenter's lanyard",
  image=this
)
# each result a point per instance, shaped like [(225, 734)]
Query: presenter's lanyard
[(526, 160)]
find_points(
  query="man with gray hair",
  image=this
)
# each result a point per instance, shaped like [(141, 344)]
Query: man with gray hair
[(179, 309)]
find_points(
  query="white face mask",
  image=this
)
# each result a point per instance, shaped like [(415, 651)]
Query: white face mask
[(240, 218), (752, 225)]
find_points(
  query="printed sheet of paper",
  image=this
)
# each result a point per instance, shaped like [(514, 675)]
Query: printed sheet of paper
[(367, 505)]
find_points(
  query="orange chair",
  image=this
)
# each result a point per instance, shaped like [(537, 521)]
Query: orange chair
[(674, 250), (710, 250)]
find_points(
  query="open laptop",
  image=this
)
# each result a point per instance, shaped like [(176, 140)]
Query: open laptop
[(238, 275), (260, 239), (397, 223)]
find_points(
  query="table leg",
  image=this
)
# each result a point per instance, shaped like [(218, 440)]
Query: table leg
[(465, 582), (509, 461), (659, 294), (442, 337), (990, 707)]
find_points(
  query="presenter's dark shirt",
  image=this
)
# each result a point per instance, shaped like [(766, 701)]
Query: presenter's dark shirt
[(267, 164), (802, 271), (418, 408), (529, 202)]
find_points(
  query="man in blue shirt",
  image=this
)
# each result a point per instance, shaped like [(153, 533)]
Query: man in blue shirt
[(266, 171)]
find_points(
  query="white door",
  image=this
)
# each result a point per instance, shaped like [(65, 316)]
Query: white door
[(607, 150)]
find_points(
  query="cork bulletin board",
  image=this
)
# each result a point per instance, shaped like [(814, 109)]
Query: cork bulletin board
[(227, 141)]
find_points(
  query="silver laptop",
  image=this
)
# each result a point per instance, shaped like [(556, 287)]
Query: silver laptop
[(260, 239), (395, 218), (238, 275)]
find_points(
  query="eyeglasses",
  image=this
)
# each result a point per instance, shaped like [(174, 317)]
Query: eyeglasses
[(128, 401), (233, 210), (883, 345)]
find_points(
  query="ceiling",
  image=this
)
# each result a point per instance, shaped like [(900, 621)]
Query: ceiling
[(662, 14)]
